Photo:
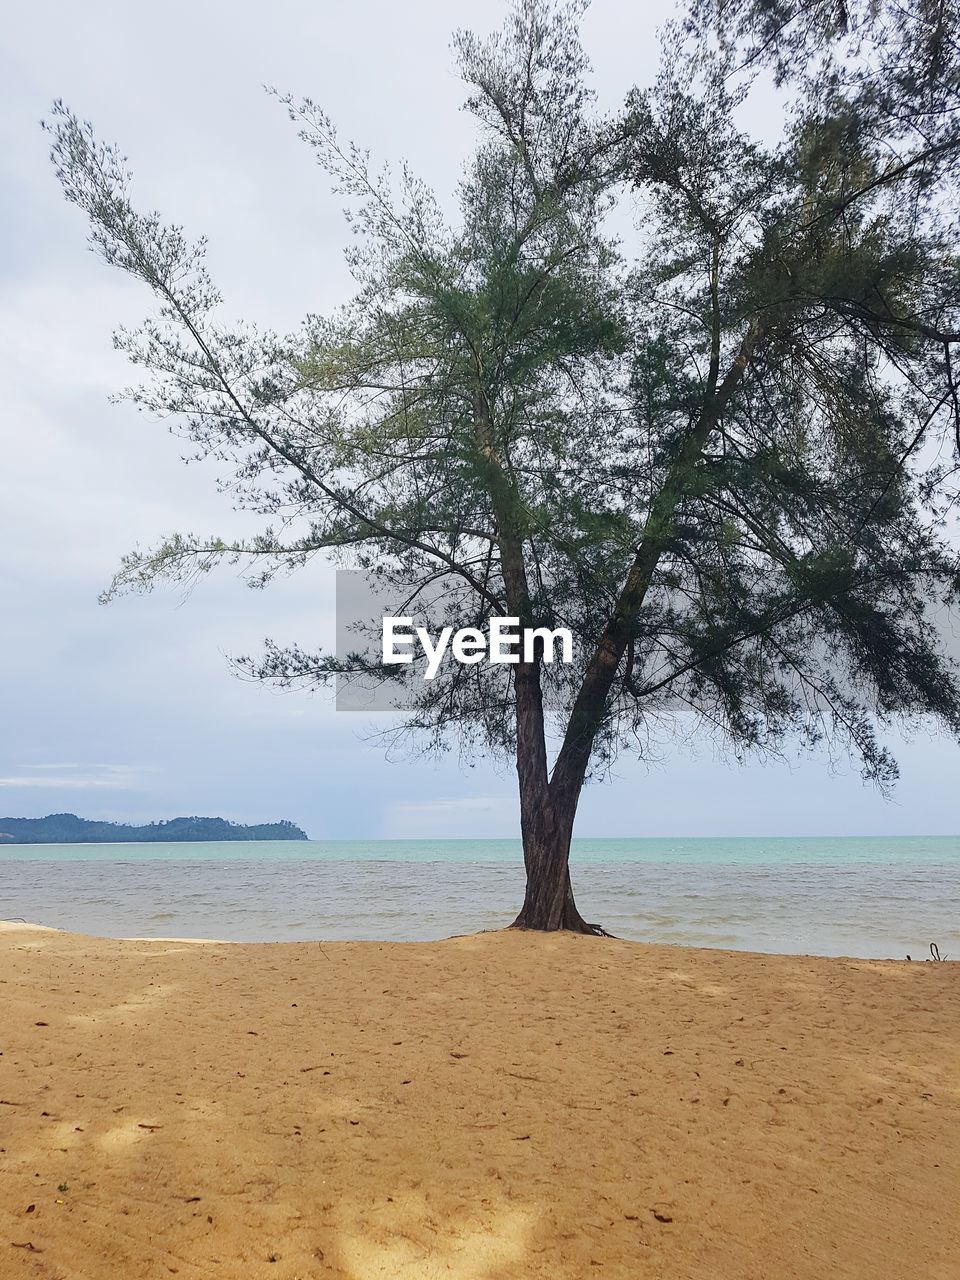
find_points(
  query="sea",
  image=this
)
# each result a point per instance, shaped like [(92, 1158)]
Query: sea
[(870, 897)]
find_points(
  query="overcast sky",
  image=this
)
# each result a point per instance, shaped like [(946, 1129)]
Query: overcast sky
[(130, 712)]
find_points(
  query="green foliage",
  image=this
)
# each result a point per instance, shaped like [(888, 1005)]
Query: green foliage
[(726, 462)]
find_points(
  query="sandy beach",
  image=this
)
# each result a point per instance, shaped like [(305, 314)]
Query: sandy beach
[(492, 1107)]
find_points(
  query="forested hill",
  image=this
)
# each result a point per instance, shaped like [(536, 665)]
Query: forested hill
[(67, 828)]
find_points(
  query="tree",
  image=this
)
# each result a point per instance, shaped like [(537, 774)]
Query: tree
[(726, 464)]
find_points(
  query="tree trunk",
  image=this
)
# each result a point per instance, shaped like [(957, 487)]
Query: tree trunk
[(547, 809), (548, 902)]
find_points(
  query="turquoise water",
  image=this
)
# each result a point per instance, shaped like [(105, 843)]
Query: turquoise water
[(884, 897), (738, 851)]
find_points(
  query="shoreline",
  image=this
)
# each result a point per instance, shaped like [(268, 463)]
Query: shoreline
[(13, 926), (503, 1105), (28, 926)]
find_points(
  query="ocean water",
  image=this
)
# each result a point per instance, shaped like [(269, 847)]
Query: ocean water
[(871, 897)]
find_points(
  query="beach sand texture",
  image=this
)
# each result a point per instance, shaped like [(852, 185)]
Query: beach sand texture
[(494, 1107)]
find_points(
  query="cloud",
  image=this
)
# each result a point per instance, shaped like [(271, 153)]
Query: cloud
[(68, 777), (452, 817)]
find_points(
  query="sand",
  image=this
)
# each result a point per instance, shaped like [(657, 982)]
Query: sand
[(488, 1108)]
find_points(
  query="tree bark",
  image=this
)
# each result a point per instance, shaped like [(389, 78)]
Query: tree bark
[(548, 903)]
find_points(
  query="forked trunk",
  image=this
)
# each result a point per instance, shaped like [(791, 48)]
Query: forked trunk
[(548, 902), (547, 809)]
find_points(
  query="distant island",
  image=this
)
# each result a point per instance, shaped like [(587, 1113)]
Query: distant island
[(67, 828)]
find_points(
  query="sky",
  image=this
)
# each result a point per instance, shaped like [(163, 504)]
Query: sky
[(130, 712)]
